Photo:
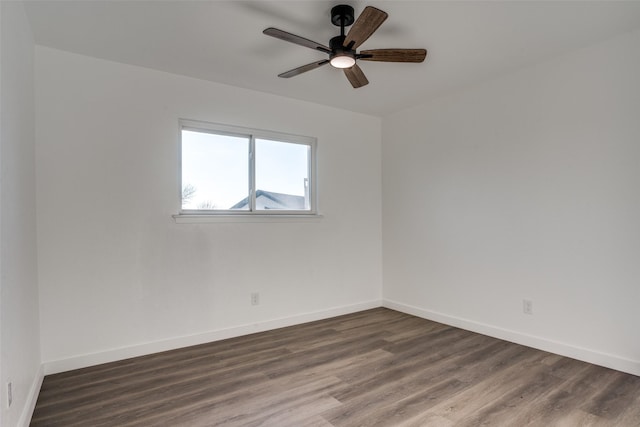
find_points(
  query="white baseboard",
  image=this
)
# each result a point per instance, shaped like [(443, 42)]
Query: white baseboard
[(56, 366), (586, 355), (32, 398)]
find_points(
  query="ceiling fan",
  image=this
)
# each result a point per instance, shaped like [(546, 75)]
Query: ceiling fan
[(342, 49)]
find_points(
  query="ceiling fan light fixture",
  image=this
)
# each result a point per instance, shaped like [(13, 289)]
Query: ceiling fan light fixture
[(343, 61)]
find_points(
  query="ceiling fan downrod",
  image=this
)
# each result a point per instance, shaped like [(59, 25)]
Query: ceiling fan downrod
[(342, 16)]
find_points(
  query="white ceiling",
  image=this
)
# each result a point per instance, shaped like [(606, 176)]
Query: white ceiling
[(222, 41)]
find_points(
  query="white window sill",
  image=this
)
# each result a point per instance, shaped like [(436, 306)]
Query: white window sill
[(209, 218)]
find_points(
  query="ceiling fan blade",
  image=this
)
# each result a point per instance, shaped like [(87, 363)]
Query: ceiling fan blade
[(393, 55), (366, 24), (303, 69), (292, 38), (356, 76)]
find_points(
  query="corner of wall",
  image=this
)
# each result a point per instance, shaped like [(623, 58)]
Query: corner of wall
[(32, 398)]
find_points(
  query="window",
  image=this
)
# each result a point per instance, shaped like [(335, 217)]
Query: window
[(233, 170)]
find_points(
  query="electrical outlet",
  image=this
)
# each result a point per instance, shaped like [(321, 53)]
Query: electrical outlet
[(9, 394), (255, 298), (527, 306)]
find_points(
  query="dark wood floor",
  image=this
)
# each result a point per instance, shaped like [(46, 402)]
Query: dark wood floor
[(373, 368)]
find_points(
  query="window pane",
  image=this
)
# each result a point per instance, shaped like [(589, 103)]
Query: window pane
[(215, 171), (282, 175)]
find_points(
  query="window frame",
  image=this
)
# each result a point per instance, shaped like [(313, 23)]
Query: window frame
[(252, 135)]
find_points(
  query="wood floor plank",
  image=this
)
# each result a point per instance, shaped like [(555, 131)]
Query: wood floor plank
[(617, 397), (487, 379), (577, 389), (405, 371), (270, 401), (516, 401), (372, 368), (145, 381), (579, 418)]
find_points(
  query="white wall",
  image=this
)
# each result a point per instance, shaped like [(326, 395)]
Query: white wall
[(524, 187), (117, 273), (19, 331)]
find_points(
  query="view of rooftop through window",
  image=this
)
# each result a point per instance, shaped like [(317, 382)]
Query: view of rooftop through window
[(217, 173)]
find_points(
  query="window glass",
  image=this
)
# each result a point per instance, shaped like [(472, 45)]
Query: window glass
[(215, 171), (282, 175)]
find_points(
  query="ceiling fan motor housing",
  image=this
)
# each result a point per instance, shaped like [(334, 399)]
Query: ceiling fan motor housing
[(336, 45), (341, 52)]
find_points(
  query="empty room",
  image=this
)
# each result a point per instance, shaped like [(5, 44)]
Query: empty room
[(319, 213)]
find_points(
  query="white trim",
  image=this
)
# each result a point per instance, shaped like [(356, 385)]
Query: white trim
[(199, 126), (204, 218), (32, 398), (591, 356), (56, 366)]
